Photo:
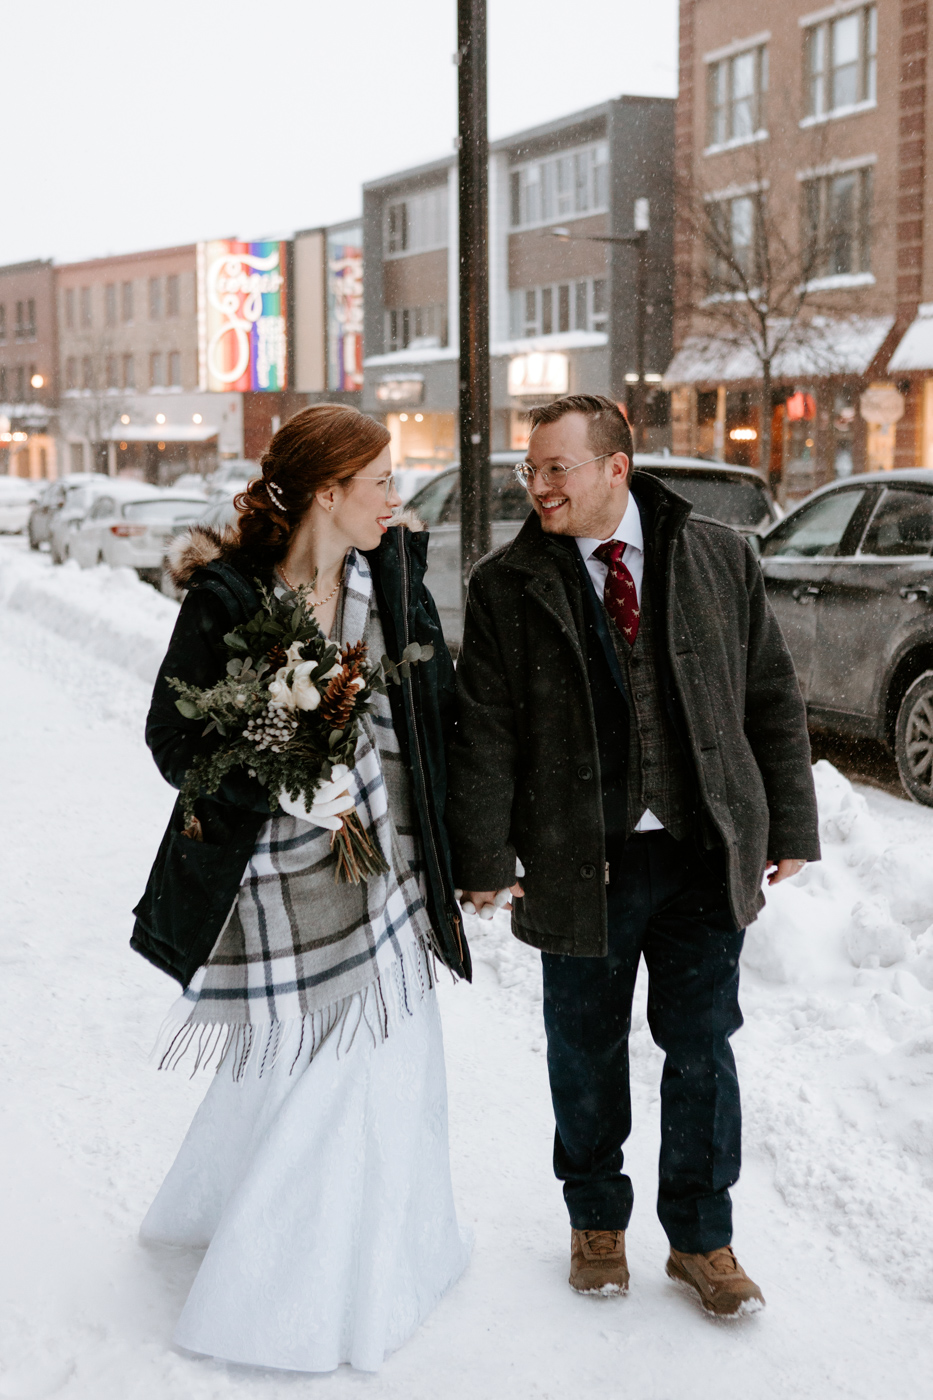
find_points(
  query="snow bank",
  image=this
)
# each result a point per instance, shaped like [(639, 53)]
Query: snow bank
[(110, 613)]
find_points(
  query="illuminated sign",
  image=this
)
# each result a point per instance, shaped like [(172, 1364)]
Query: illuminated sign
[(538, 373), (242, 340), (407, 390), (345, 309)]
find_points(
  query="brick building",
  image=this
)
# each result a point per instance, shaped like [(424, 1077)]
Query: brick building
[(808, 126), (551, 298), (28, 369)]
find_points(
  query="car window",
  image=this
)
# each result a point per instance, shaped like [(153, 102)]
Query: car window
[(509, 497), (148, 512), (104, 505), (741, 503), (219, 516), (902, 524), (432, 500), (816, 530)]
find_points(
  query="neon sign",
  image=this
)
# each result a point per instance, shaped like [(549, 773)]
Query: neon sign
[(242, 336)]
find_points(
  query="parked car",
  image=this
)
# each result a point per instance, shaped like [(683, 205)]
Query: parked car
[(17, 497), (129, 525), (850, 576), (78, 498), (735, 495), (232, 476), (49, 503)]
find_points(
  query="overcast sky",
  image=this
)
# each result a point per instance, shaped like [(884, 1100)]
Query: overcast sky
[(135, 126)]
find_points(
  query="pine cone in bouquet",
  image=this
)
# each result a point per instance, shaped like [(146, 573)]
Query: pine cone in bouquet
[(339, 698)]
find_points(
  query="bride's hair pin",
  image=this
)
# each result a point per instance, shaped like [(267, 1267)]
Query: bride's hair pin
[(275, 494)]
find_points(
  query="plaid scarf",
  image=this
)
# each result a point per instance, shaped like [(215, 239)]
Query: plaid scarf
[(297, 946)]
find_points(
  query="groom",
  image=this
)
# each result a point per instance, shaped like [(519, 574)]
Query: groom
[(630, 727)]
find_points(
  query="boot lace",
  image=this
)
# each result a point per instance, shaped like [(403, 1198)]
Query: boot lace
[(601, 1242), (723, 1261)]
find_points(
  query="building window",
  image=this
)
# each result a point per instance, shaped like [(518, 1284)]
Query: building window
[(416, 327), (553, 310), (129, 371), (575, 182), (735, 97), (29, 378), (417, 223), (85, 307), (172, 296), (155, 298), (837, 223), (126, 302), (19, 384), (31, 318), (71, 373), (87, 372), (76, 453), (26, 320), (156, 372), (174, 369), (733, 232), (2, 383), (2, 324), (113, 379), (110, 303), (840, 62), (70, 308)]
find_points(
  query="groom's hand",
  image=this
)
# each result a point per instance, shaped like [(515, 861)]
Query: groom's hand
[(488, 899)]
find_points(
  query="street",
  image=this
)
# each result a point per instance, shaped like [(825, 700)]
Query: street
[(834, 1212)]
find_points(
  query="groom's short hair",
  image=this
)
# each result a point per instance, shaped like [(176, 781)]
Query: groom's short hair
[(608, 428)]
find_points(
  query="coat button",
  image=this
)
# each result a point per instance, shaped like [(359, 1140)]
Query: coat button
[(587, 871), (584, 771)]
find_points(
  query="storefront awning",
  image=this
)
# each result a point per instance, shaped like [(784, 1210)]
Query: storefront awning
[(813, 350), (162, 432), (915, 350)]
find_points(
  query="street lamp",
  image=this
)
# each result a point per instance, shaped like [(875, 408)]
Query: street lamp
[(639, 241)]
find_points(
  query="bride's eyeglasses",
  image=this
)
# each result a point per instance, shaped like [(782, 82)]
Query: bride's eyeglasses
[(387, 481)]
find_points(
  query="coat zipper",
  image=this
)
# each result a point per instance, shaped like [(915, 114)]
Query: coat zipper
[(416, 742)]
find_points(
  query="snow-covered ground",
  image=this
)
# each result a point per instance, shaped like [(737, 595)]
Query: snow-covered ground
[(834, 1213)]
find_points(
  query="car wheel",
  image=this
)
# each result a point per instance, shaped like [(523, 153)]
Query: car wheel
[(913, 740), (33, 543)]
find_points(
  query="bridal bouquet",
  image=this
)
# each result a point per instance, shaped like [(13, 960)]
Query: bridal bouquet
[(288, 711)]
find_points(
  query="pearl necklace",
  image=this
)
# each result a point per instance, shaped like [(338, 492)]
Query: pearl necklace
[(314, 602)]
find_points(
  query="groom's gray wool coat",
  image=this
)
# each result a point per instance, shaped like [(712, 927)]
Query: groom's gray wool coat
[(524, 768)]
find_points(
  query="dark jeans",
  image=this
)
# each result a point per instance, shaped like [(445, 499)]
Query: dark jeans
[(667, 901)]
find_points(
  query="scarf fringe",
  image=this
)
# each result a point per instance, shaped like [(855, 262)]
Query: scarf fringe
[(378, 1008)]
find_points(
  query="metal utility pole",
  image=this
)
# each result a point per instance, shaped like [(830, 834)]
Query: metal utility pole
[(474, 284)]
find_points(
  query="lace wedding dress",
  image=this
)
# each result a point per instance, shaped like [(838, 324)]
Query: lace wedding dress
[(322, 1195)]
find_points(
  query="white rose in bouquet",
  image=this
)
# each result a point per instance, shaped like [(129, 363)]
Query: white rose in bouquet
[(305, 692), (280, 691), (293, 655)]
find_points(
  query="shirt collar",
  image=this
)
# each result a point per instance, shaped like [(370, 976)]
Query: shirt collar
[(628, 530)]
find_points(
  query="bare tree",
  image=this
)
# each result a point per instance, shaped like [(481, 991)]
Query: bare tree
[(751, 285), (95, 409)]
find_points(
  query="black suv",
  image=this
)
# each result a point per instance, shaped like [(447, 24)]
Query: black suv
[(850, 577)]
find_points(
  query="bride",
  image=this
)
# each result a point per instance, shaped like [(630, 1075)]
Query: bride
[(315, 1173)]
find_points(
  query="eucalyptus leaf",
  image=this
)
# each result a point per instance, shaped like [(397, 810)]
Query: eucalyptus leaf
[(188, 708), (235, 642), (412, 652), (235, 666)]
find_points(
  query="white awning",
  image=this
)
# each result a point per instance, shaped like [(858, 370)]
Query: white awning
[(813, 350), (162, 432), (915, 350)]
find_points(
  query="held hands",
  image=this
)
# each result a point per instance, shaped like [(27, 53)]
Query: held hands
[(329, 801), (778, 870), (486, 902)]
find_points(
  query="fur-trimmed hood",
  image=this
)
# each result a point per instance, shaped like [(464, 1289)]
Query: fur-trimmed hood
[(200, 545)]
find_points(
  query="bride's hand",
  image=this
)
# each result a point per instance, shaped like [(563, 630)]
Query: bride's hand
[(329, 802)]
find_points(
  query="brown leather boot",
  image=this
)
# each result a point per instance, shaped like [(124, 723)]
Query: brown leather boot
[(723, 1286), (597, 1261)]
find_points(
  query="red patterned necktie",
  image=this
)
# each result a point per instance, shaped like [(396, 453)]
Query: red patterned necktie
[(619, 595)]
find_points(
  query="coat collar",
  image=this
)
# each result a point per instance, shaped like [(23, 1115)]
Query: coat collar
[(663, 514)]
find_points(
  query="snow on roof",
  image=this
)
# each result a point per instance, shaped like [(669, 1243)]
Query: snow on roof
[(162, 432), (915, 350), (818, 347)]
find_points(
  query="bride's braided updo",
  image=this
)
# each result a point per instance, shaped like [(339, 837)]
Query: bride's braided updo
[(319, 446)]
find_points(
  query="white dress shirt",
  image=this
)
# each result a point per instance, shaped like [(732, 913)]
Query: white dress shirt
[(629, 531)]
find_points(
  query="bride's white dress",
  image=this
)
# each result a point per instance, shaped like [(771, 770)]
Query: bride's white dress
[(322, 1195)]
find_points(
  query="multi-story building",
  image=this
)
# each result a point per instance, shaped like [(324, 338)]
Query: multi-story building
[(327, 332), (28, 369), (562, 315), (801, 152)]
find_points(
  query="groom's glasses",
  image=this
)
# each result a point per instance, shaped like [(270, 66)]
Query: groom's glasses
[(551, 476)]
